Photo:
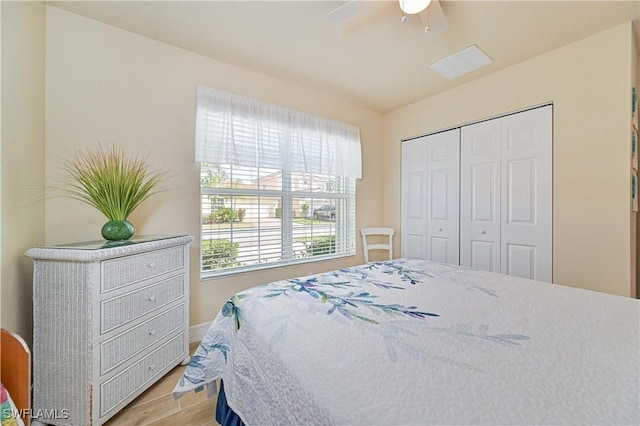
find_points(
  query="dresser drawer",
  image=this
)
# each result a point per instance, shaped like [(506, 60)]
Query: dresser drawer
[(123, 271), (125, 384), (120, 310), (120, 348)]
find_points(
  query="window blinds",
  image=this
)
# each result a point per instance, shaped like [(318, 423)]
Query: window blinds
[(231, 129)]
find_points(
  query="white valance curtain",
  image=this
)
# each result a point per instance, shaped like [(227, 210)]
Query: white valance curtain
[(241, 131)]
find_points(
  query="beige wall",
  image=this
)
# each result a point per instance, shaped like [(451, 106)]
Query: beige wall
[(106, 84), (22, 153), (588, 82)]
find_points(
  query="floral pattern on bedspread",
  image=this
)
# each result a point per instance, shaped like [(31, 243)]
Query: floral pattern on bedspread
[(415, 342), (324, 289), (354, 294)]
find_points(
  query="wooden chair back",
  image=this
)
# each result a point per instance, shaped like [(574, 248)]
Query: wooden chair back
[(366, 232), (15, 370)]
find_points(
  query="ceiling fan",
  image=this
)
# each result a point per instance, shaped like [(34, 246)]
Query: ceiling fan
[(429, 11)]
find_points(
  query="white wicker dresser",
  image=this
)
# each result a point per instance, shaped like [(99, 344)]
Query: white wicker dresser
[(110, 319)]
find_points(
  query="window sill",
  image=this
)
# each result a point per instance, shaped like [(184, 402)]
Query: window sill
[(206, 276)]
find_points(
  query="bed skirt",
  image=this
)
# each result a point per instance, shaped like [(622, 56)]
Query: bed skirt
[(224, 414)]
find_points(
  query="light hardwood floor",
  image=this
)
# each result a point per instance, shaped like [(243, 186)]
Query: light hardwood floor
[(158, 408)]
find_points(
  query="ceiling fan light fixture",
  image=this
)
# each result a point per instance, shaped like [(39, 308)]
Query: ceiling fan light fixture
[(412, 7)]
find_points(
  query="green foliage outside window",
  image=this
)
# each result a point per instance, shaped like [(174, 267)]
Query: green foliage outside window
[(218, 254), (223, 215), (212, 175), (321, 245)]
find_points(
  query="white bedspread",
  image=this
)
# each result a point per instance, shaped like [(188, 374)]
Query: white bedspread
[(415, 342)]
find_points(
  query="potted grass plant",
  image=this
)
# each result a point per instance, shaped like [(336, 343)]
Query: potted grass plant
[(113, 183)]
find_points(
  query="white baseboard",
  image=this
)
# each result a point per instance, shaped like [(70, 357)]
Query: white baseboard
[(198, 331)]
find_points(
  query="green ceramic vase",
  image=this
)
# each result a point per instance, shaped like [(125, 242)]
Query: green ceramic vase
[(118, 230)]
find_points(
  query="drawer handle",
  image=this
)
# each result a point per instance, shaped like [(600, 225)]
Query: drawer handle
[(152, 298), (151, 367), (152, 265), (152, 332), (483, 232)]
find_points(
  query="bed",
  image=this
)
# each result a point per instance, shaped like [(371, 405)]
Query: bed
[(15, 379), (414, 342)]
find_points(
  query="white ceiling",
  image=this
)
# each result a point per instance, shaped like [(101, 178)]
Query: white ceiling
[(371, 59)]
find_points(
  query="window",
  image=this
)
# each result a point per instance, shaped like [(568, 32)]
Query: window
[(274, 190), (253, 217)]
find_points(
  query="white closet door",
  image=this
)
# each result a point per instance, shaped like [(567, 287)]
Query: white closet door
[(414, 199), (443, 227), (430, 197), (480, 196), (527, 194)]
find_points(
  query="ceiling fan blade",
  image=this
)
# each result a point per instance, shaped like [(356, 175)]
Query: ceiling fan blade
[(358, 10), (434, 17), (344, 12)]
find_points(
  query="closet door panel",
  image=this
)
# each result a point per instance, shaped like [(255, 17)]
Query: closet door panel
[(482, 255), (480, 196), (443, 204), (527, 196), (521, 260), (414, 199), (521, 191), (483, 187), (430, 197)]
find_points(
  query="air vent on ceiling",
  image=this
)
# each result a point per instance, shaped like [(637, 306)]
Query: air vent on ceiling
[(467, 60)]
